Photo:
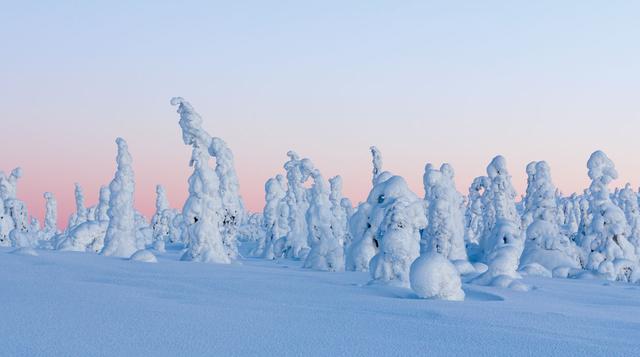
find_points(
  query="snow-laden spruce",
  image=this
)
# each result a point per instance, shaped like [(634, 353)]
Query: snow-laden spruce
[(202, 211), (474, 215), (120, 238), (50, 228), (396, 218), (376, 160), (545, 245), (297, 246), (161, 222), (327, 250), (341, 211), (224, 201), (362, 231), (81, 213), (502, 242), (627, 200), (275, 192), (605, 245), (445, 218), (232, 205), (8, 189)]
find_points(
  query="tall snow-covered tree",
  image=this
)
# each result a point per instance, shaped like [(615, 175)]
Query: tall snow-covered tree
[(444, 233), (545, 245), (120, 239), (297, 246), (327, 250), (50, 228), (340, 211), (474, 215), (232, 205), (202, 212), (605, 245), (502, 240), (275, 192), (81, 214), (395, 220)]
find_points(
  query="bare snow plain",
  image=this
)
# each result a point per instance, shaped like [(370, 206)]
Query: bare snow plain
[(76, 304)]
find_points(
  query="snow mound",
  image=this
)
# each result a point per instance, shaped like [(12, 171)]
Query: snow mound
[(144, 256), (433, 276), (536, 269), (25, 251)]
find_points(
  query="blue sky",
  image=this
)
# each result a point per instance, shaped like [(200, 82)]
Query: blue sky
[(425, 81)]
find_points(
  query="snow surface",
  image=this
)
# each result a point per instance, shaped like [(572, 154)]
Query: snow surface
[(68, 303)]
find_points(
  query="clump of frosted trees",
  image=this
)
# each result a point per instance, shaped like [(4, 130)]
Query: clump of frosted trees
[(431, 243)]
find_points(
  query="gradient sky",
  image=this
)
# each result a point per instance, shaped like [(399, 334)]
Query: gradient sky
[(424, 81)]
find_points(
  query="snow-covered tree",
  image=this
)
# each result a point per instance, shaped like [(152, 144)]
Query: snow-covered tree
[(327, 250), (502, 240), (50, 228), (340, 211), (545, 245), (445, 230), (395, 221), (275, 192), (474, 215), (202, 212), (102, 208), (363, 245), (232, 206), (376, 160), (296, 246), (81, 214), (628, 202), (9, 184), (8, 189), (605, 244), (161, 227), (120, 238)]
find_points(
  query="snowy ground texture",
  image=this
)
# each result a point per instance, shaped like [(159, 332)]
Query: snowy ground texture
[(76, 304)]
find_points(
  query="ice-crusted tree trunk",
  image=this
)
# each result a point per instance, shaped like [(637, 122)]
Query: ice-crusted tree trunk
[(275, 192), (202, 212), (502, 241), (545, 245), (120, 239), (232, 205), (296, 246), (605, 245), (81, 214), (327, 251), (444, 233), (50, 228)]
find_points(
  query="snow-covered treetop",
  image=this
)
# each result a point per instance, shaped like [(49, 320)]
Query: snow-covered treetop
[(225, 168), (377, 163), (601, 168), (8, 185), (191, 124), (162, 202)]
